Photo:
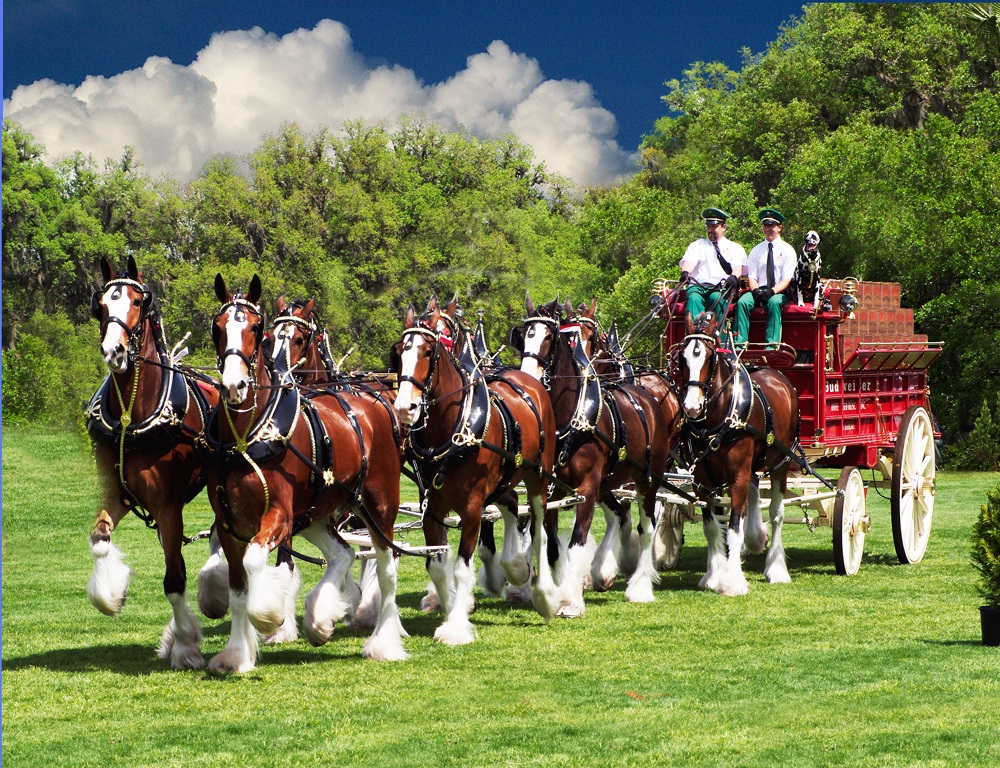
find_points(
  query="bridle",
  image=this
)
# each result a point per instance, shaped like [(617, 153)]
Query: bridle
[(434, 337), (287, 318), (705, 386), (241, 305), (132, 333)]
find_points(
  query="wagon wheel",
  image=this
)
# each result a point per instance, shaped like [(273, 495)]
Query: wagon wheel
[(669, 536), (850, 523), (912, 498)]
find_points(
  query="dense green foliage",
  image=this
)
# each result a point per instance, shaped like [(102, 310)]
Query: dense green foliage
[(877, 125), (986, 549)]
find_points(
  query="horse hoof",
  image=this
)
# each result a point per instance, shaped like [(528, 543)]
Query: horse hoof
[(570, 611)]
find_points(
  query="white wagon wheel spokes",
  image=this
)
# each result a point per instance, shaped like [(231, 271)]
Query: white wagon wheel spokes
[(850, 522), (912, 499), (669, 536)]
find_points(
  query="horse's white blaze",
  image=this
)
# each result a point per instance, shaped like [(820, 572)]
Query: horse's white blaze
[(115, 341), (534, 337), (695, 357), (407, 402), (235, 374)]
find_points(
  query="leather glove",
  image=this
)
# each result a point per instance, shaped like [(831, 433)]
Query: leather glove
[(759, 295), (732, 283), (685, 276)]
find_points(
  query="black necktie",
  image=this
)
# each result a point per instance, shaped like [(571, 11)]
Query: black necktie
[(770, 265), (725, 264)]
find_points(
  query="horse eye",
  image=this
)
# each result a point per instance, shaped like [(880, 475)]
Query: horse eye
[(136, 302)]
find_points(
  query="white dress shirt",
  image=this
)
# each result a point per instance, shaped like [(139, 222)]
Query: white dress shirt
[(704, 261)]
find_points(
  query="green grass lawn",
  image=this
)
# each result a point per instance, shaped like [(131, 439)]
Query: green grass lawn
[(885, 668)]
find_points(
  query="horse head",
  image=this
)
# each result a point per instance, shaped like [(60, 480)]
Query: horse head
[(294, 331), (237, 332), (584, 319), (534, 337), (120, 307), (698, 367), (412, 358)]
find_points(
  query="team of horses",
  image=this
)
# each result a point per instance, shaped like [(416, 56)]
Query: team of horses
[(287, 446)]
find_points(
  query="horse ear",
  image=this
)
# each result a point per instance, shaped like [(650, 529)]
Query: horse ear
[(432, 304), (280, 304), (255, 290), (107, 271), (221, 292), (529, 305), (568, 306), (410, 318), (131, 269), (593, 307), (688, 324), (309, 307), (449, 308)]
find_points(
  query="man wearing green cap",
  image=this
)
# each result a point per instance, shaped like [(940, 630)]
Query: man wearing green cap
[(770, 272), (711, 264)]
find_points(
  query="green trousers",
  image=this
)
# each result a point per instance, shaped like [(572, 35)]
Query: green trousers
[(773, 310), (699, 296)]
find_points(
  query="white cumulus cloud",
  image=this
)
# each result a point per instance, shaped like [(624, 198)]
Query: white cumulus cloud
[(245, 83)]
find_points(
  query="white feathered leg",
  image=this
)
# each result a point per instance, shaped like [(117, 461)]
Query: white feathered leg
[(109, 582), (733, 581), (604, 569), (181, 641), (289, 630), (386, 642), (457, 629), (571, 602), (368, 608), (491, 579), (441, 589), (716, 567), (545, 596), (329, 601), (775, 567), (640, 585), (266, 590), (755, 538), (213, 583), (515, 557), (240, 654)]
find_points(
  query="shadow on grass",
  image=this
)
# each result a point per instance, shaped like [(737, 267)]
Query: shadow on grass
[(133, 660)]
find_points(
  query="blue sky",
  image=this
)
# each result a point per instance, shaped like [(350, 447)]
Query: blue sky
[(579, 81)]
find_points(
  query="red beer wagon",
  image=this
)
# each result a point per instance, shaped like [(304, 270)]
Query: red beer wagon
[(861, 376)]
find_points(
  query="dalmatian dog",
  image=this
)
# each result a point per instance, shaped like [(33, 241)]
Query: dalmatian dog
[(807, 270)]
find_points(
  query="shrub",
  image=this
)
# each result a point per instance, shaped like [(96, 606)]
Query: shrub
[(986, 549), (54, 370), (981, 451)]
